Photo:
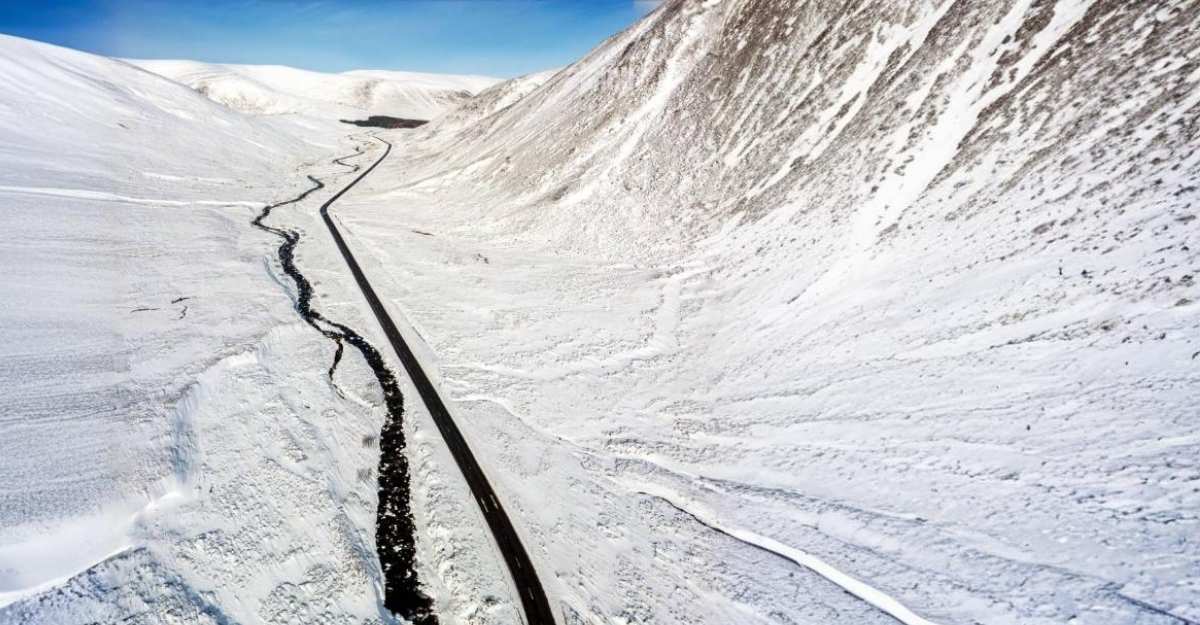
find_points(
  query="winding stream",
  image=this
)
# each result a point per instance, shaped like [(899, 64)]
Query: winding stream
[(394, 528)]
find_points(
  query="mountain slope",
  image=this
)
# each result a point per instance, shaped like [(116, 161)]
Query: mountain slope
[(764, 103), (908, 287), (491, 101)]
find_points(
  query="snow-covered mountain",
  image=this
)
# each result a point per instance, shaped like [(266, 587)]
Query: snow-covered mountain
[(712, 109), (765, 311), (275, 90), (772, 295)]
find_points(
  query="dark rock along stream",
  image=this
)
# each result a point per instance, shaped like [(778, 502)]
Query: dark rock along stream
[(394, 528)]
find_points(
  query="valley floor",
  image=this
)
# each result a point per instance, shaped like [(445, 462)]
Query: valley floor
[(662, 460)]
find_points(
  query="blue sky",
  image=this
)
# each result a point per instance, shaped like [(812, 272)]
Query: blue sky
[(496, 37)]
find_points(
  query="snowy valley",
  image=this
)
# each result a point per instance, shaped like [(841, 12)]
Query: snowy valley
[(764, 311)]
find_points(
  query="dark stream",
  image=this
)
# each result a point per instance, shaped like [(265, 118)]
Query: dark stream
[(394, 528)]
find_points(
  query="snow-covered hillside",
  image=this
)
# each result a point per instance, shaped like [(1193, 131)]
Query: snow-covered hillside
[(276, 90), (172, 448), (771, 296), (489, 102)]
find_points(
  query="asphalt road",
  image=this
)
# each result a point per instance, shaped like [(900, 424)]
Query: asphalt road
[(533, 597)]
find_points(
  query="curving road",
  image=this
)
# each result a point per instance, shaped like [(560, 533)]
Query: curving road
[(533, 597)]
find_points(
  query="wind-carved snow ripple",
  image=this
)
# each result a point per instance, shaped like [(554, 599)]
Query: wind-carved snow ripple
[(394, 527)]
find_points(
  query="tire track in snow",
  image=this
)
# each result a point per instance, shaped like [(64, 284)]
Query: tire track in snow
[(394, 527)]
